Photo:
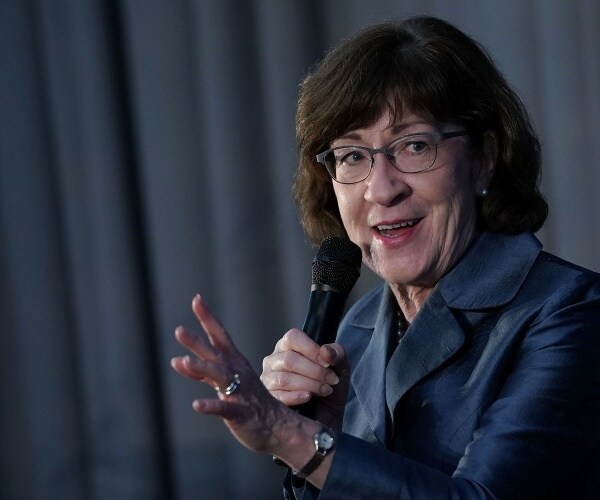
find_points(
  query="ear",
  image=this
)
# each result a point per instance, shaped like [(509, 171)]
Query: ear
[(485, 162)]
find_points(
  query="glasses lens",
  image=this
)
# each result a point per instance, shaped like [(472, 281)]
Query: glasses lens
[(413, 153), (348, 164)]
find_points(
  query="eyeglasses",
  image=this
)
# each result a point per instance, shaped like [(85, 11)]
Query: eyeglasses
[(410, 154)]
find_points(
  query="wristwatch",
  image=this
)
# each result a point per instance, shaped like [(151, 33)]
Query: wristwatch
[(324, 444)]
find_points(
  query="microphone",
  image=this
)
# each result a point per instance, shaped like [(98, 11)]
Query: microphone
[(335, 270)]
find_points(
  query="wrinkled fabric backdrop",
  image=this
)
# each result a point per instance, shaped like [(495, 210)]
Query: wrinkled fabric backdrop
[(146, 154)]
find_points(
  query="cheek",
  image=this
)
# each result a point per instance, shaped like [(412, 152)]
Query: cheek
[(458, 213), (348, 205), (457, 187)]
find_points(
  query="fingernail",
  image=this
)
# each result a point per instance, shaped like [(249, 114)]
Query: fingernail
[(322, 363), (303, 397), (325, 390), (332, 378), (332, 352)]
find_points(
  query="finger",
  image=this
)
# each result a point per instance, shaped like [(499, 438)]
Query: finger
[(215, 331), (292, 398), (332, 355), (178, 365), (196, 344), (298, 341), (293, 362), (286, 381), (225, 408), (197, 369)]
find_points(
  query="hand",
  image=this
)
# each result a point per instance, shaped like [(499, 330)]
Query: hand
[(250, 412), (299, 369)]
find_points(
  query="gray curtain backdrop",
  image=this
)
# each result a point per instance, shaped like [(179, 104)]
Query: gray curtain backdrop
[(146, 154)]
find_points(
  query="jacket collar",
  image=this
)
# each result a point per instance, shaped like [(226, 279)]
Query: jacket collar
[(491, 272), (489, 275)]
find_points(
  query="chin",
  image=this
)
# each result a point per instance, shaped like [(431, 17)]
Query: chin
[(400, 272)]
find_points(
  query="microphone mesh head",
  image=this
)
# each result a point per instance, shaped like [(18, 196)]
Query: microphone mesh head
[(337, 264)]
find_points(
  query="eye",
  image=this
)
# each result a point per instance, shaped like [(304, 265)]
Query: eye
[(350, 156), (414, 145)]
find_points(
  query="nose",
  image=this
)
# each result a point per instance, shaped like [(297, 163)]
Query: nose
[(385, 183)]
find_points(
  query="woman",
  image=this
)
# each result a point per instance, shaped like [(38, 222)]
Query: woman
[(473, 371)]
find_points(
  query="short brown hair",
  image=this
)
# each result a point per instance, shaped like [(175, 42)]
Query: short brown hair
[(436, 71)]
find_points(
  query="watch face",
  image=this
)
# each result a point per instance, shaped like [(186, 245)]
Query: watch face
[(324, 441)]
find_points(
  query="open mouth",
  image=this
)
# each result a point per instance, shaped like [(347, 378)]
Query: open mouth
[(392, 230)]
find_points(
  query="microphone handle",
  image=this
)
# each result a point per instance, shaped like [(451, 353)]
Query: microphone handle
[(325, 310), (323, 316)]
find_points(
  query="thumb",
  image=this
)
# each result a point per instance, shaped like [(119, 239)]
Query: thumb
[(333, 355)]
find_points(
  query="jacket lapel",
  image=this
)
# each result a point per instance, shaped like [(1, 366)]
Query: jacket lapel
[(368, 377), (432, 338)]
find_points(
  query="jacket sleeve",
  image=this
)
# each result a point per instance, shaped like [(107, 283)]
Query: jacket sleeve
[(540, 436)]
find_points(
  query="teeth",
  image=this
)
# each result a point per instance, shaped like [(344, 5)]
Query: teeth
[(386, 227)]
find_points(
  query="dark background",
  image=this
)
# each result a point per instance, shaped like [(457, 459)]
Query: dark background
[(146, 154)]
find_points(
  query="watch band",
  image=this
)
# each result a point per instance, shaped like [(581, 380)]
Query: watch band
[(320, 453), (310, 467)]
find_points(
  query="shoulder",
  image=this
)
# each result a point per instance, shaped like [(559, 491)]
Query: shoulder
[(561, 284), (556, 270), (497, 268), (553, 318)]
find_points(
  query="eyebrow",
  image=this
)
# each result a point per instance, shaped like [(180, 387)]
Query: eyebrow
[(395, 129)]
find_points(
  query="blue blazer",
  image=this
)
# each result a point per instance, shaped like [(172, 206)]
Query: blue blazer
[(493, 392)]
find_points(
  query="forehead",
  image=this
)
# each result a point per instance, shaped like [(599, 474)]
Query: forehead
[(389, 124)]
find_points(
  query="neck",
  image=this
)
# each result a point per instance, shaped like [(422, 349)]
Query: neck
[(410, 299)]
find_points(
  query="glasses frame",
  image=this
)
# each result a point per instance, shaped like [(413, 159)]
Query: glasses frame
[(439, 137)]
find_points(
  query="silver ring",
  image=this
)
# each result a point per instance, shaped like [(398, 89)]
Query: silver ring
[(232, 387)]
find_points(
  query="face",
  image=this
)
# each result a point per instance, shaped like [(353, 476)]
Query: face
[(412, 228)]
